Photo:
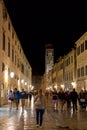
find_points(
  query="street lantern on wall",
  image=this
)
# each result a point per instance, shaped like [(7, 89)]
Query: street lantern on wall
[(22, 81), (62, 86), (73, 84), (12, 74)]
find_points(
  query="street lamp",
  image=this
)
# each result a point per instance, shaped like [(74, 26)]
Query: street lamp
[(22, 81), (62, 86), (25, 83), (73, 84), (12, 74)]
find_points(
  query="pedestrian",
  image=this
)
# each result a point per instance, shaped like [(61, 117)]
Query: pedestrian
[(10, 98), (23, 96), (68, 99), (40, 105), (61, 99), (82, 99), (30, 97), (17, 96), (74, 98), (55, 100)]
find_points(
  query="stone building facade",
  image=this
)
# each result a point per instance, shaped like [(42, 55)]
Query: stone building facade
[(81, 58), (70, 70), (15, 70)]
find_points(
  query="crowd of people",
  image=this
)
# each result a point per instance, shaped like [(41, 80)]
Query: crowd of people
[(68, 99), (17, 96), (59, 100)]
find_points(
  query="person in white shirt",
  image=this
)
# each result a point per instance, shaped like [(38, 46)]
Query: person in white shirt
[(39, 107), (10, 98)]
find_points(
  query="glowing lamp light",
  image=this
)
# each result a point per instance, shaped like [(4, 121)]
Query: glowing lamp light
[(22, 81), (73, 84), (55, 87), (30, 85), (25, 83), (62, 86), (12, 74)]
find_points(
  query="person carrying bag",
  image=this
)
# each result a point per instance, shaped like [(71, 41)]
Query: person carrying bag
[(40, 105), (10, 98)]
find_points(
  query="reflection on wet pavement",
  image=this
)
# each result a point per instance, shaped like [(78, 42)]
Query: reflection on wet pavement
[(12, 119)]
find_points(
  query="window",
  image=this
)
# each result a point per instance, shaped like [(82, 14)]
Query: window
[(3, 44), (82, 71), (12, 55), (12, 35), (3, 67), (18, 63), (78, 50), (82, 47), (22, 68), (65, 62), (78, 72), (71, 59), (86, 69), (15, 59), (4, 14), (8, 48), (85, 44), (68, 60), (20, 50)]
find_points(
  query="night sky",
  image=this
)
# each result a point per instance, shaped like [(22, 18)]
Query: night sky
[(37, 23)]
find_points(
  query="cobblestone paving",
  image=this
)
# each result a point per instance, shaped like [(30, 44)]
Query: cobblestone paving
[(69, 120), (23, 120)]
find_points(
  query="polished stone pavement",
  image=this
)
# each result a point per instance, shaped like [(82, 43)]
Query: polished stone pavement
[(23, 119), (53, 120), (69, 120)]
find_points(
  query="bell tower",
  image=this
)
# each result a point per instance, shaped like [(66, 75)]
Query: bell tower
[(49, 57)]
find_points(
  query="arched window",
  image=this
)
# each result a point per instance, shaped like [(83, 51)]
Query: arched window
[(8, 48), (3, 43)]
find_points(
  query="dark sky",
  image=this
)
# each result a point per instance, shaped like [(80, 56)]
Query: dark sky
[(37, 23)]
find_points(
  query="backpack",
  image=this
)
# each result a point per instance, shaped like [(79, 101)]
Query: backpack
[(18, 95)]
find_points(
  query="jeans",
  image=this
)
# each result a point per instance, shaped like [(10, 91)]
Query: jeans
[(39, 116), (74, 105)]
